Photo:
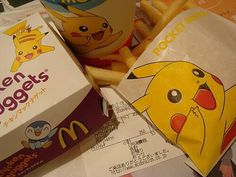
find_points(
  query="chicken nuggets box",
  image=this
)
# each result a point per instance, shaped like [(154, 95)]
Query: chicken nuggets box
[(46, 103), (184, 84)]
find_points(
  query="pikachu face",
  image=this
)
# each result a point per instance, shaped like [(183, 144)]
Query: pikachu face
[(188, 105), (94, 30), (27, 43), (87, 31), (27, 46), (176, 89)]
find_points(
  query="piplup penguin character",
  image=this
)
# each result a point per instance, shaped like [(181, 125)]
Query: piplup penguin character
[(39, 135)]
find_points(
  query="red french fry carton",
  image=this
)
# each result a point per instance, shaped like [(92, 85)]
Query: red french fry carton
[(93, 28)]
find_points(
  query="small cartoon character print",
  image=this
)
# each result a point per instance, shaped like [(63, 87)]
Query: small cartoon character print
[(190, 107), (86, 31), (27, 42), (39, 135)]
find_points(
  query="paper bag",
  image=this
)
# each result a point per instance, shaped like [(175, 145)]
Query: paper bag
[(184, 83)]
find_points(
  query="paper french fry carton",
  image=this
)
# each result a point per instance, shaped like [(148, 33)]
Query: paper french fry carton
[(93, 28), (47, 105), (185, 85)]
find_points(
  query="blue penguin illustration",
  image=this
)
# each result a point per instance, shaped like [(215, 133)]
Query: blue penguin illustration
[(39, 135)]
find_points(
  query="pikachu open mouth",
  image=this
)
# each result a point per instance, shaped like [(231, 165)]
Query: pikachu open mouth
[(29, 56), (205, 98), (98, 35)]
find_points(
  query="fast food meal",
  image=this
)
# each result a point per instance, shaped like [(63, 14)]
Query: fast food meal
[(158, 14), (102, 42)]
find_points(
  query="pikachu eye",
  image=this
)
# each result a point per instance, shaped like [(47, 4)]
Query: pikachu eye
[(20, 53), (83, 28), (34, 47), (198, 73), (105, 25), (174, 96)]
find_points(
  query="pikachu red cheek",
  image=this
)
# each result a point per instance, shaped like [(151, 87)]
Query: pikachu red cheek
[(39, 51), (18, 58), (177, 122), (111, 30), (75, 34)]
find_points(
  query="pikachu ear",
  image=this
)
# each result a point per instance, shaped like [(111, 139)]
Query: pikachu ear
[(46, 48), (79, 12), (147, 70), (16, 42), (37, 28), (18, 27), (142, 104), (57, 15), (15, 66), (40, 36)]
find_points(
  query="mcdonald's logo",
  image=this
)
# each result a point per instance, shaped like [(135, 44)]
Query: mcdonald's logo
[(71, 132)]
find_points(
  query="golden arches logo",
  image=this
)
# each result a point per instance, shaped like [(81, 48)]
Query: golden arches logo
[(71, 132)]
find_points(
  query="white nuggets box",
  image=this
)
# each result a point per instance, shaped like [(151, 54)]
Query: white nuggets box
[(46, 103)]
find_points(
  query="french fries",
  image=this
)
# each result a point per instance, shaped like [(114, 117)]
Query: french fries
[(105, 75), (128, 57), (152, 13), (189, 5), (159, 14), (167, 16), (91, 79), (142, 28), (118, 66), (158, 4)]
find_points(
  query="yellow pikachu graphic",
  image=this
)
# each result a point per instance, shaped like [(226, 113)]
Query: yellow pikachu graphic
[(87, 31), (190, 107), (27, 43)]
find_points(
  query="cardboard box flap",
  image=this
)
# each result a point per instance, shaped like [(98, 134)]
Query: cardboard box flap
[(37, 72)]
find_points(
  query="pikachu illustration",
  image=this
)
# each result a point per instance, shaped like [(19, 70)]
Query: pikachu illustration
[(27, 42), (86, 31), (190, 107)]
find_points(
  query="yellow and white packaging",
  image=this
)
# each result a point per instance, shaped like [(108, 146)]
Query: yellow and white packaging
[(185, 84), (46, 103)]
